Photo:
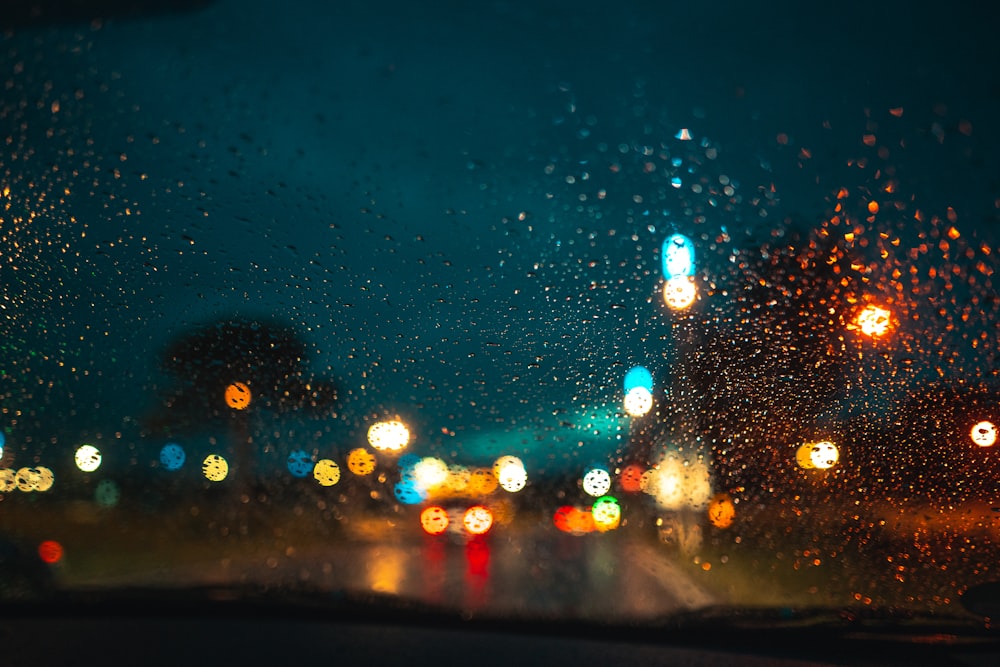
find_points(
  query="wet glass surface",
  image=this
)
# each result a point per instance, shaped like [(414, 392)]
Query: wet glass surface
[(528, 309)]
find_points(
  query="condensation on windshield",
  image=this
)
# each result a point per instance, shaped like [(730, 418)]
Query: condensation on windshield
[(370, 322)]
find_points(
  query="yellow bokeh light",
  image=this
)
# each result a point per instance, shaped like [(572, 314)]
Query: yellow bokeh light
[(215, 468), (679, 292), (326, 472), (482, 482), (8, 481), (88, 458), (874, 321), (361, 462), (27, 479), (638, 401), (984, 434), (459, 478), (46, 478), (388, 436)]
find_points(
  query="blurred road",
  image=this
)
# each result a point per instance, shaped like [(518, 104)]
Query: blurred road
[(533, 570)]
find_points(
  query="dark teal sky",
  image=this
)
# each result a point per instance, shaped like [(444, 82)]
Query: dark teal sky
[(418, 188)]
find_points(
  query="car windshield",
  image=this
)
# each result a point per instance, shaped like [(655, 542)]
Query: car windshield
[(526, 309)]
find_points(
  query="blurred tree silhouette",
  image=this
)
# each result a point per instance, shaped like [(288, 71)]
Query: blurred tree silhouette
[(269, 357)]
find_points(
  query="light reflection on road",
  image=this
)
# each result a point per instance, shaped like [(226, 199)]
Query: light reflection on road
[(529, 572)]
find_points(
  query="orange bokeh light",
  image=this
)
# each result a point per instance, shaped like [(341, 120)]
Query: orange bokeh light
[(630, 478), (238, 396), (574, 520), (721, 511), (434, 520), (874, 321)]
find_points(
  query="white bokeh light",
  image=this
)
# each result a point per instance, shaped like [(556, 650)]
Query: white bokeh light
[(388, 436), (638, 401), (984, 434), (88, 458), (430, 472), (597, 482)]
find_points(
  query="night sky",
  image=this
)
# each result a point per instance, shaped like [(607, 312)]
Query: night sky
[(459, 206)]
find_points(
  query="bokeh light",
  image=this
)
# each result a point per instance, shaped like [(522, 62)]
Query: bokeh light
[(677, 255), (458, 480), (407, 461), (505, 462), (679, 292), (477, 520), (820, 455), (984, 434), (574, 520), (596, 481), (88, 458), (326, 472), (27, 479), (409, 492), (50, 552), (482, 482), (638, 401), (607, 513), (215, 468), (8, 480), (388, 436), (630, 478), (510, 473), (107, 493), (361, 462), (299, 463), (678, 482), (434, 520), (721, 511), (238, 396), (638, 376), (46, 478), (172, 456), (430, 472), (874, 321)]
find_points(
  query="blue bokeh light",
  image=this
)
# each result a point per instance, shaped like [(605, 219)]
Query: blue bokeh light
[(638, 376), (300, 463), (408, 492), (678, 256), (172, 456)]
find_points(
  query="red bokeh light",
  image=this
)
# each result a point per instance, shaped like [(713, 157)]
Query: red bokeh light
[(50, 551)]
